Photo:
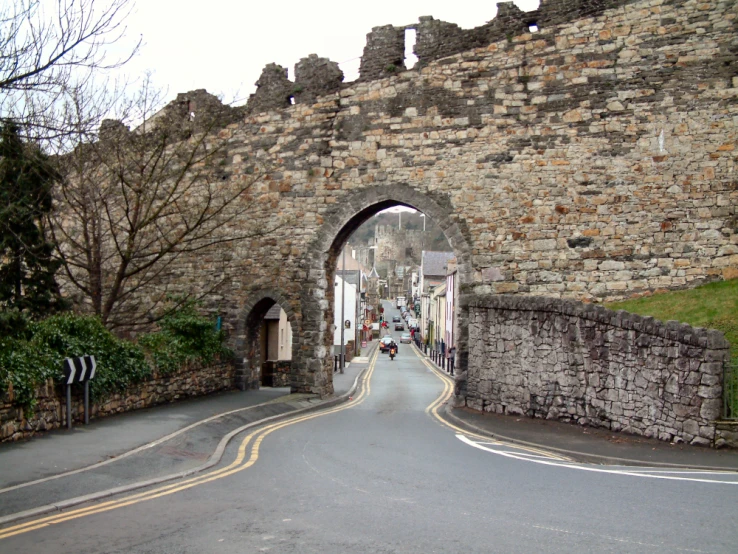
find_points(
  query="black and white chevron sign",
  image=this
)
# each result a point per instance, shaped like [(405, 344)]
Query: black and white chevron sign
[(79, 370)]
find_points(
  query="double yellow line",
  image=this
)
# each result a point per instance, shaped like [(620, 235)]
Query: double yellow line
[(248, 454), (240, 463), (448, 387)]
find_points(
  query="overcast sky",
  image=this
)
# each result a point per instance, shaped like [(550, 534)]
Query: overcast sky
[(222, 45)]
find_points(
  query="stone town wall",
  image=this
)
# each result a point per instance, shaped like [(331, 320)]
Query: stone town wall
[(593, 159), (404, 246), (50, 412), (557, 359)]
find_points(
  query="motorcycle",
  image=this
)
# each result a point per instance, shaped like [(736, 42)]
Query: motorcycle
[(392, 353)]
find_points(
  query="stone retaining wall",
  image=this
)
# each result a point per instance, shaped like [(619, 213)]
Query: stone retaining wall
[(570, 361), (50, 412)]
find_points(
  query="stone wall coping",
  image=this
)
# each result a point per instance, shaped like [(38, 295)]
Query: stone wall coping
[(670, 330)]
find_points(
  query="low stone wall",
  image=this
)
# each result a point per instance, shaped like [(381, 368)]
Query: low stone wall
[(50, 411), (276, 373), (565, 360), (726, 434)]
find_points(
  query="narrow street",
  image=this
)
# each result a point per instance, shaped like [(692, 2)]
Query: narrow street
[(382, 473)]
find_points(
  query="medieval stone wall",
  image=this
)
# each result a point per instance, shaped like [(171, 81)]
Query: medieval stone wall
[(404, 246), (50, 411), (593, 159), (557, 359)]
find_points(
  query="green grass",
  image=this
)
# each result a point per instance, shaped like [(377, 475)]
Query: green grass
[(714, 306)]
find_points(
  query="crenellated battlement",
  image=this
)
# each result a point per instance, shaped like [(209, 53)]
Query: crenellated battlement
[(315, 76), (384, 53)]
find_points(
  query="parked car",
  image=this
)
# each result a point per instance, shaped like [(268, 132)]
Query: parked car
[(405, 338), (399, 327), (384, 343)]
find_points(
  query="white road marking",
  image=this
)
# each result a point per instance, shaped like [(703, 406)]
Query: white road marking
[(672, 476)]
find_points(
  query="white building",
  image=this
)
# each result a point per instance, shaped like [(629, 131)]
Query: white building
[(348, 322), (437, 310), (275, 348), (452, 300)]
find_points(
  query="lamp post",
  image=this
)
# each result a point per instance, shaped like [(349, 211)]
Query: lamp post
[(343, 301)]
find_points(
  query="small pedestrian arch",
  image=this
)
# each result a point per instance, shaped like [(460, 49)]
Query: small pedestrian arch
[(249, 337)]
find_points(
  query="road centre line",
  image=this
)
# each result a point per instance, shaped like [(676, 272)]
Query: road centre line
[(684, 472), (236, 466)]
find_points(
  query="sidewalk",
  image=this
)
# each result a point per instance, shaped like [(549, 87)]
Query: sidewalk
[(63, 468), (106, 438), (587, 444)]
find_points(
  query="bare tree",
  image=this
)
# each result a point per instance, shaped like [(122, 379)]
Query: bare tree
[(136, 205), (50, 50)]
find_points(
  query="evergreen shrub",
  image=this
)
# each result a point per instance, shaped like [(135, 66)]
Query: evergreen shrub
[(184, 337), (28, 361), (32, 352)]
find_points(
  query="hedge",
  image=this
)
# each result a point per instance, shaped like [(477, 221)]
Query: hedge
[(32, 352)]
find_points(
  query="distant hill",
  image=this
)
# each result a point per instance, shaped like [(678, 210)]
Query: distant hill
[(410, 220)]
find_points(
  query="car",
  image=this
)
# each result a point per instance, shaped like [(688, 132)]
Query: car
[(399, 327), (406, 338), (395, 319), (384, 343)]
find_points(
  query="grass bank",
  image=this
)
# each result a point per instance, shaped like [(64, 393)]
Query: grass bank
[(714, 306)]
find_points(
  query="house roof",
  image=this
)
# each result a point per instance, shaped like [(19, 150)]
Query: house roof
[(351, 276), (274, 312), (352, 264), (434, 263)]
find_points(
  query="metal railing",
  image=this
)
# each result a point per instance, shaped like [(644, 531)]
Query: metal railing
[(730, 390)]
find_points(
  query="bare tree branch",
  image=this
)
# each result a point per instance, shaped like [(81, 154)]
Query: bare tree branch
[(50, 51), (135, 205)]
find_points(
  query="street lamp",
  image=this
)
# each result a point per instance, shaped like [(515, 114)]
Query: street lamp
[(343, 302)]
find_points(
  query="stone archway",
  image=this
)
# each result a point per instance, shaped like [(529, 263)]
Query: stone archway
[(320, 261), (248, 359)]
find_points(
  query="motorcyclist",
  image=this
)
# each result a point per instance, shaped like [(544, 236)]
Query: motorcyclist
[(393, 347)]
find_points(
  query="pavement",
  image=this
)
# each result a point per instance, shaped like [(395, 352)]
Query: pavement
[(64, 468), (179, 439), (588, 444)]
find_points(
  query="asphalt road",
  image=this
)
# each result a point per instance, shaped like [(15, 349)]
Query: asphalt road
[(382, 474)]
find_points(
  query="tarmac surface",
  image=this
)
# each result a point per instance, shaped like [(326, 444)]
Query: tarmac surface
[(183, 438)]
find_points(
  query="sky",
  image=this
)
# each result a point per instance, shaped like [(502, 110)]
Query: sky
[(223, 45)]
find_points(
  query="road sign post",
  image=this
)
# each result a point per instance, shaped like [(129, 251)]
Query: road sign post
[(78, 370)]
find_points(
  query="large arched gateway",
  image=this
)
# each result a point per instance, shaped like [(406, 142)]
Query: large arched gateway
[(311, 359), (585, 151)]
